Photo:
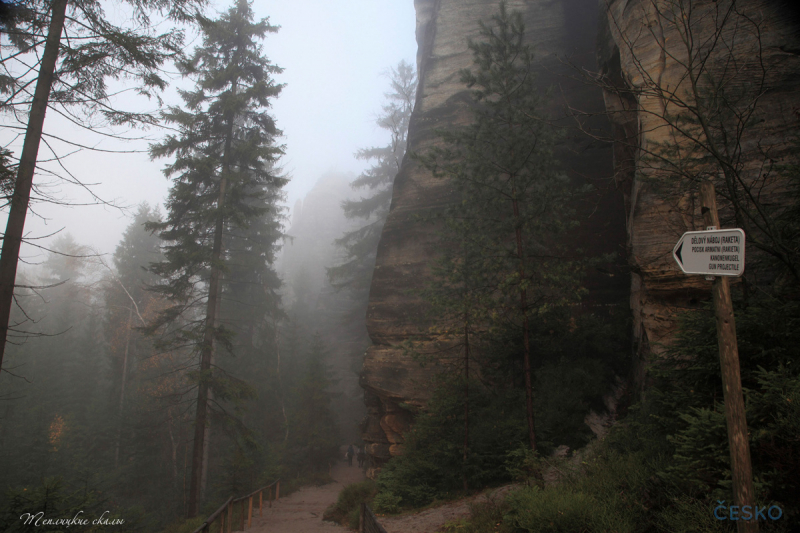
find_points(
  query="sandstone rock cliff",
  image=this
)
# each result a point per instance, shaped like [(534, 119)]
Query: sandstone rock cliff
[(642, 48), (637, 46), (563, 32)]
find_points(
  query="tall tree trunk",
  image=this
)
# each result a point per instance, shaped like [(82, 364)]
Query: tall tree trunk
[(523, 303), (280, 385), (207, 347), (174, 446), (20, 199), (206, 439), (207, 434), (122, 387), (206, 353), (185, 453), (466, 401)]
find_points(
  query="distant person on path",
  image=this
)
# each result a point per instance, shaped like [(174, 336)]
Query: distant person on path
[(350, 453)]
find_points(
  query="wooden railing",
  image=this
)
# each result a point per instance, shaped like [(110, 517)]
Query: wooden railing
[(367, 522), (226, 511)]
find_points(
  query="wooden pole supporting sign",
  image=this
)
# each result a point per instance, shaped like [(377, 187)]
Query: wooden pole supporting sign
[(735, 416)]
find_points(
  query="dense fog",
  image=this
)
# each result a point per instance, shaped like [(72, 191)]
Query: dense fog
[(349, 262), (128, 318)]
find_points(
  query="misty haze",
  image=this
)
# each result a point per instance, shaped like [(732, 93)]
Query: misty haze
[(399, 266)]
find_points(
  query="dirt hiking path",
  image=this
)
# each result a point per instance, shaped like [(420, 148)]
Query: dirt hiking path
[(432, 520), (301, 511)]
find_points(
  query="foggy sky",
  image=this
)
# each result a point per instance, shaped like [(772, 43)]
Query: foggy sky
[(334, 55)]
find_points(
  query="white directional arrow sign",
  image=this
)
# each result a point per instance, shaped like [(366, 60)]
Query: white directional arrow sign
[(718, 252)]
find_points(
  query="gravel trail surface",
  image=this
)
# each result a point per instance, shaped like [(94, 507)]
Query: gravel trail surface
[(301, 511)]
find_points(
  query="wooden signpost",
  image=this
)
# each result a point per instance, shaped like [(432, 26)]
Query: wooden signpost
[(722, 265)]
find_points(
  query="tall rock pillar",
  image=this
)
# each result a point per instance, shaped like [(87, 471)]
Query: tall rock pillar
[(564, 35)]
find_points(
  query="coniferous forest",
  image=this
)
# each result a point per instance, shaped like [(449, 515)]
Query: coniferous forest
[(194, 362), (484, 296)]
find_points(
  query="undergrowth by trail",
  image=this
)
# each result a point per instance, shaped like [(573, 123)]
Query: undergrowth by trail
[(664, 465), (347, 508)]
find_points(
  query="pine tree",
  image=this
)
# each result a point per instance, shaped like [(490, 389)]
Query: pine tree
[(513, 203), (461, 305), (69, 50), (224, 178), (360, 246)]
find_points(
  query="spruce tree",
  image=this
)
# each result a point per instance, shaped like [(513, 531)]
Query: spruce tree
[(360, 246), (224, 178), (252, 301), (127, 304), (69, 50), (513, 203), (461, 305)]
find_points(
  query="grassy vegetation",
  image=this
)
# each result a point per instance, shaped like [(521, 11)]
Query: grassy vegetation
[(347, 508), (184, 526)]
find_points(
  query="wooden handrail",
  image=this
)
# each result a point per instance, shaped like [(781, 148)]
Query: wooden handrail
[(228, 506), (368, 522), (257, 491), (213, 516)]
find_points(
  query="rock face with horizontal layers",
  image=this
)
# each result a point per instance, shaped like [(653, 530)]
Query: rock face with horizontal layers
[(642, 50), (564, 35)]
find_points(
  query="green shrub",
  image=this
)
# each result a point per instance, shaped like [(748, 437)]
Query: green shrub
[(432, 466), (347, 508), (386, 502), (605, 495), (185, 525), (484, 517), (691, 516), (686, 404), (555, 509)]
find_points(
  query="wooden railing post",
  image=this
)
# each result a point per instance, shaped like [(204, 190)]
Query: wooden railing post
[(278, 490), (225, 511)]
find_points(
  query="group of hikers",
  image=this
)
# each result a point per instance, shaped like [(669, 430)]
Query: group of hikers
[(359, 452)]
